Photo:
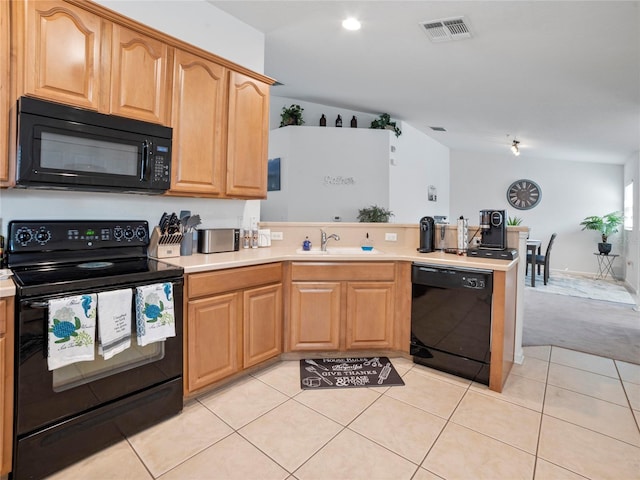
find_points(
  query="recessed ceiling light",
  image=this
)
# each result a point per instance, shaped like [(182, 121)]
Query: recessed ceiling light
[(351, 24)]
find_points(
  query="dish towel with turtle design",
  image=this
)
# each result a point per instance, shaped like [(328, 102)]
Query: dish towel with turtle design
[(72, 330), (155, 319), (114, 322)]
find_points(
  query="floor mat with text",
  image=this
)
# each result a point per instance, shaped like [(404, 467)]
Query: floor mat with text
[(348, 372)]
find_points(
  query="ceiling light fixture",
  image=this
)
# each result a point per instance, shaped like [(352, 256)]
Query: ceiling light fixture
[(514, 147), (351, 23)]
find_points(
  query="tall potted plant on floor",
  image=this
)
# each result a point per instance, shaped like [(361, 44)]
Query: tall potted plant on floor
[(606, 225)]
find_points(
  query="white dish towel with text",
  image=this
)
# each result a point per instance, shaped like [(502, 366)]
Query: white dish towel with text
[(72, 330), (155, 319), (114, 322)]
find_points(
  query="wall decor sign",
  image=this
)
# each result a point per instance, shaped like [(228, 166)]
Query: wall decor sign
[(433, 194), (348, 372), (273, 174), (338, 180)]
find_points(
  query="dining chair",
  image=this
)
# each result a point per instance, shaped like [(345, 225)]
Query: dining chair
[(542, 260)]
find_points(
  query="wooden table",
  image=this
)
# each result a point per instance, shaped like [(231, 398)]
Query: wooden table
[(533, 248)]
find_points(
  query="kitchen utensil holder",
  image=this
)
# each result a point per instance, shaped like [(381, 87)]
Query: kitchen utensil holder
[(164, 245)]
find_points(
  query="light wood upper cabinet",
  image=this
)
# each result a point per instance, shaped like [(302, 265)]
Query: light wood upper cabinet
[(70, 55), (59, 46), (5, 82), (248, 137), (197, 118), (139, 72)]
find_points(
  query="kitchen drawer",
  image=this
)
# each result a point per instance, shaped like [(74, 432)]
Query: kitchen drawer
[(338, 271), (219, 281)]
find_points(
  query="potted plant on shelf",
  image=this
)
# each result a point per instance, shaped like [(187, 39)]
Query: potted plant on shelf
[(291, 116), (374, 214), (384, 122), (514, 221), (607, 225)]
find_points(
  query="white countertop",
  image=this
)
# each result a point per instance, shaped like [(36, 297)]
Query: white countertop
[(7, 288), (199, 262)]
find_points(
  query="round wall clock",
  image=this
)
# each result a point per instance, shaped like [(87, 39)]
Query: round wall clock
[(524, 194)]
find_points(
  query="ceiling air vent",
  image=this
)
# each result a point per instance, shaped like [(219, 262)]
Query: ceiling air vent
[(446, 29)]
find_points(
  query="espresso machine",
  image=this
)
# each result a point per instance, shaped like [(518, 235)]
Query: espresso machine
[(493, 229), (493, 237)]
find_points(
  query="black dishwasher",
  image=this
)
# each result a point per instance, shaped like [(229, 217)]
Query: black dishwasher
[(451, 320)]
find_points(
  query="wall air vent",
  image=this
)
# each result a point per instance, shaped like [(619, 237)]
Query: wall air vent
[(446, 29)]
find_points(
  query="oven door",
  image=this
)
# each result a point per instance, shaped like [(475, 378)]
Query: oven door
[(45, 398)]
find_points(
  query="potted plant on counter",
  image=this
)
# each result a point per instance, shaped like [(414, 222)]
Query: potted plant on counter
[(374, 214), (606, 225)]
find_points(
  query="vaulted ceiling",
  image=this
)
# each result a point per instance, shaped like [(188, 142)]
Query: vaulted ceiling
[(561, 77)]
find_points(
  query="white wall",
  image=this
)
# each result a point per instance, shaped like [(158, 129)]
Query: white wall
[(199, 23), (196, 22), (328, 172), (632, 237), (571, 191), (420, 162)]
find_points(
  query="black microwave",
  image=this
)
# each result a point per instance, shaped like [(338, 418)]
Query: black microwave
[(63, 147)]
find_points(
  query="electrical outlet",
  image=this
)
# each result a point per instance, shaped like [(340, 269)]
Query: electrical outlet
[(277, 236), (391, 237)]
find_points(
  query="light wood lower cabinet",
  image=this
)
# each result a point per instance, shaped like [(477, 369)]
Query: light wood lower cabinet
[(6, 383), (212, 339), (315, 314), (370, 315), (342, 306), (262, 324), (234, 321)]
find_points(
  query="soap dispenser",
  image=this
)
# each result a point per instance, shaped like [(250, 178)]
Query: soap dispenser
[(306, 245)]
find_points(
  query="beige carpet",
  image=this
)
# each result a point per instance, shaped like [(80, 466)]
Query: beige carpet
[(582, 316), (581, 286)]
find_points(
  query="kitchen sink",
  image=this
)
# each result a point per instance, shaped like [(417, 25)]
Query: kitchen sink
[(339, 251)]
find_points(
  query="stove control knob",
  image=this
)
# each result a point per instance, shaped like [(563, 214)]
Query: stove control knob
[(117, 233), (141, 233), (43, 236), (128, 233), (24, 236)]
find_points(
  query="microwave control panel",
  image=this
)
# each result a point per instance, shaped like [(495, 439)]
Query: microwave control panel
[(161, 165)]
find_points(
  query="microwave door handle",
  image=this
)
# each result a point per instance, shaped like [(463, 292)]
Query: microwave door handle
[(146, 151)]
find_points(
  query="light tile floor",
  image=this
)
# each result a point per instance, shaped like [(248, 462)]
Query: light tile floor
[(562, 415)]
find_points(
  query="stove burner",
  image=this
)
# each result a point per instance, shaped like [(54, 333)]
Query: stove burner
[(95, 265)]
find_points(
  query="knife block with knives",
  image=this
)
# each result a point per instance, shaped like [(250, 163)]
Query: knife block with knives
[(164, 245)]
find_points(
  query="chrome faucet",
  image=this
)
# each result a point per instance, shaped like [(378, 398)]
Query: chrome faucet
[(324, 239)]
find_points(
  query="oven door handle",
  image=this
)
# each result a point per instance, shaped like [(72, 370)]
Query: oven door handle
[(36, 304)]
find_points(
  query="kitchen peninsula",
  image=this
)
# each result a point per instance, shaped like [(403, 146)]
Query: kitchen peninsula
[(244, 308)]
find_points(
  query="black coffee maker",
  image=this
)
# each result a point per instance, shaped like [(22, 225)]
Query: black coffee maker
[(493, 229), (427, 235)]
